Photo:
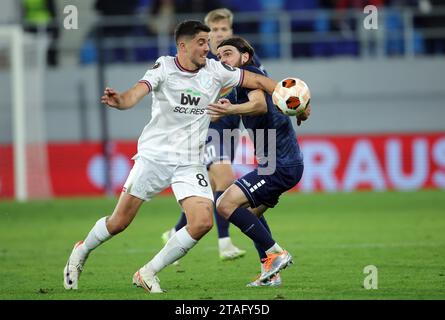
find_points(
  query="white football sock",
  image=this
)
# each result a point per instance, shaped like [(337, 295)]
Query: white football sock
[(224, 243), (175, 248), (98, 235), (275, 249)]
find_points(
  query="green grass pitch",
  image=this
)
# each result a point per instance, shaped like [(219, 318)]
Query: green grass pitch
[(331, 236)]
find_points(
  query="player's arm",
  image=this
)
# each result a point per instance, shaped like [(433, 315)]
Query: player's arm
[(255, 106), (253, 80), (127, 99)]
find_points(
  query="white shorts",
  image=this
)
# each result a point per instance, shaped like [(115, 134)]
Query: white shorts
[(147, 178)]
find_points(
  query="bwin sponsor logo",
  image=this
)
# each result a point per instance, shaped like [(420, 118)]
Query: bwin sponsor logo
[(187, 99)]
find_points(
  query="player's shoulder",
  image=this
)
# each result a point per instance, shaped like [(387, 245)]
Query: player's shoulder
[(253, 68), (162, 62), (256, 59), (211, 63), (166, 58), (219, 65)]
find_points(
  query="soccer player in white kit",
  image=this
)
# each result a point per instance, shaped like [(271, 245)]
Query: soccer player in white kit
[(170, 149)]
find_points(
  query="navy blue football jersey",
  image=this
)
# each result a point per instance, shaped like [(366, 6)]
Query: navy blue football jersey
[(288, 151), (218, 150)]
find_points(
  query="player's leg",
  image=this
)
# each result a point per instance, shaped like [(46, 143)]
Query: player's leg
[(182, 221), (259, 212), (106, 227), (275, 280), (192, 189), (220, 154), (144, 181), (199, 216), (253, 190), (218, 157), (211, 155), (221, 176)]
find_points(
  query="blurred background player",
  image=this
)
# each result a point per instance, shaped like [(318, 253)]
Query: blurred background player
[(219, 155), (255, 190)]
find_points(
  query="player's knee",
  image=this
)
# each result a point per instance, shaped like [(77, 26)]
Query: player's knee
[(200, 227), (225, 208), (202, 222), (207, 221), (206, 225)]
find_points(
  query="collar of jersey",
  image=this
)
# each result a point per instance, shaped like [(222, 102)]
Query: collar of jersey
[(182, 68)]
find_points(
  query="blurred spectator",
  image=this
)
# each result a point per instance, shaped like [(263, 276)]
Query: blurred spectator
[(160, 23), (161, 17), (40, 16)]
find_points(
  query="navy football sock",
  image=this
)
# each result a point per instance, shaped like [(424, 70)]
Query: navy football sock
[(221, 223), (252, 227), (182, 222), (261, 252)]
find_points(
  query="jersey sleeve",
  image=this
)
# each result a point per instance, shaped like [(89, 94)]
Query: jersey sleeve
[(154, 76), (253, 69), (228, 76), (258, 63)]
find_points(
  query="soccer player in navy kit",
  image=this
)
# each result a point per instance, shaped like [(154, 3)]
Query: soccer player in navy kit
[(259, 190), (220, 155)]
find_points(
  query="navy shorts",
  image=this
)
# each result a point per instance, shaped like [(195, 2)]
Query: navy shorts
[(217, 148), (267, 189)]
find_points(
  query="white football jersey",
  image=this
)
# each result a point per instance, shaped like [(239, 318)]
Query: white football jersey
[(178, 127)]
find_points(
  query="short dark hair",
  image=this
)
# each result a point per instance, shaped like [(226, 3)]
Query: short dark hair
[(189, 28), (242, 45)]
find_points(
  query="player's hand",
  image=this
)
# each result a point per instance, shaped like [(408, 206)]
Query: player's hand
[(111, 98), (304, 116), (220, 109)]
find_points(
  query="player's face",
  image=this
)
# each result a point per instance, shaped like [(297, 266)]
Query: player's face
[(230, 55), (219, 31), (197, 49)]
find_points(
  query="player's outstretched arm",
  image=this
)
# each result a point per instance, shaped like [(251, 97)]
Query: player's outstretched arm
[(255, 81), (124, 100), (255, 106)]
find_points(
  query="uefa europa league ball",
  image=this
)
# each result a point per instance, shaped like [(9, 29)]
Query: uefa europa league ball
[(291, 96)]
